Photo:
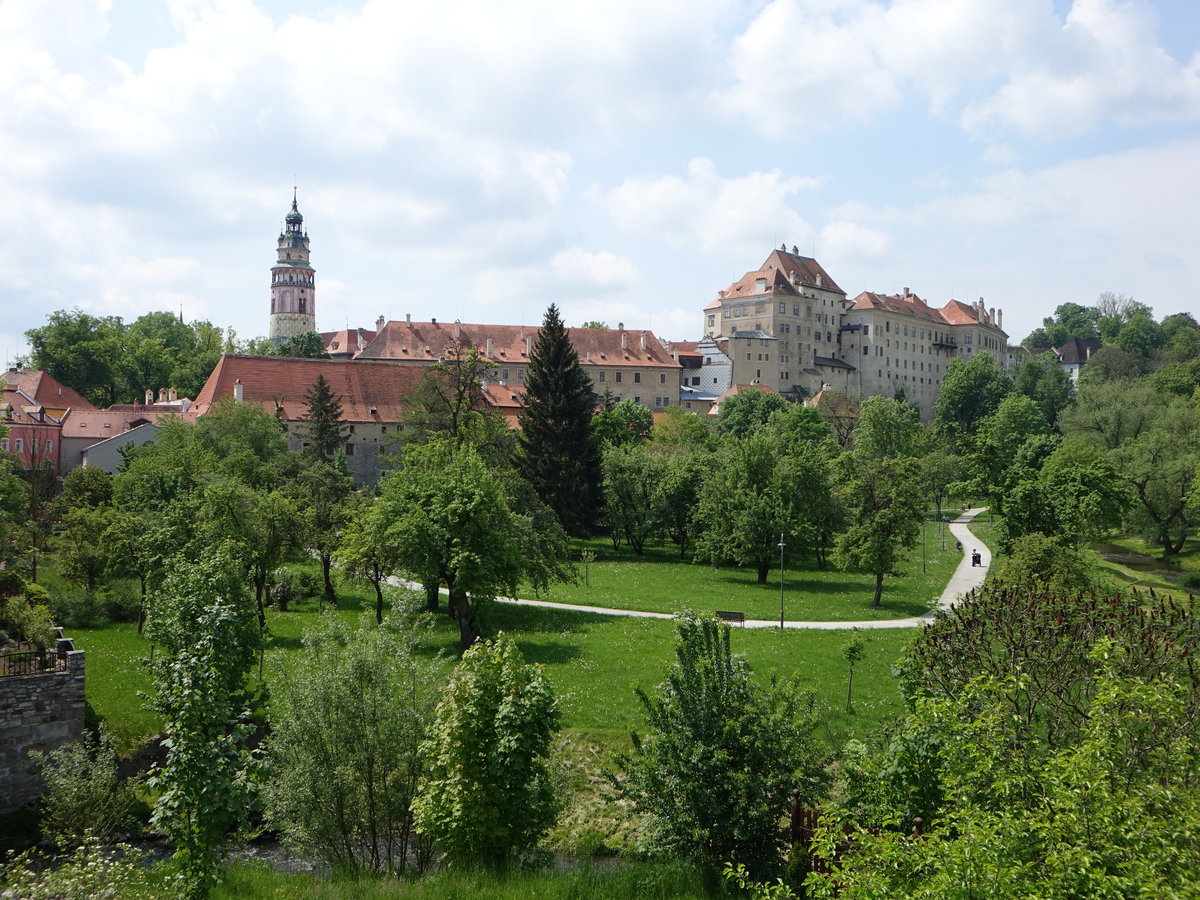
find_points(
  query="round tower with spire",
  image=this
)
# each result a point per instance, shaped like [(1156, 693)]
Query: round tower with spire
[(293, 281)]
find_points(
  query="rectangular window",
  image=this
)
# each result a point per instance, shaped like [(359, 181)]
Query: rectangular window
[(866, 331), (637, 377), (4, 444), (696, 380), (783, 309), (662, 379), (20, 445), (968, 338), (866, 350), (658, 401), (712, 320), (637, 399), (666, 401), (49, 446), (617, 377), (726, 313), (887, 326), (349, 449), (504, 374), (602, 376), (795, 309), (33, 445)]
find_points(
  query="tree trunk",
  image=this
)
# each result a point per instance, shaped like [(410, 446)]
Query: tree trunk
[(431, 596), (763, 570), (326, 563), (142, 607), (259, 584), (378, 601), (468, 626), (878, 589)]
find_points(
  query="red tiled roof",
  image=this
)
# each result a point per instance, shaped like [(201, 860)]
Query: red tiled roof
[(779, 269), (370, 391), (346, 340), (954, 312), (99, 424), (46, 390), (431, 341), (958, 313)]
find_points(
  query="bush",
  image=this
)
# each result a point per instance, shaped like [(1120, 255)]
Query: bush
[(347, 723), (83, 795), (31, 622), (287, 586), (89, 871), (76, 608), (487, 797), (1189, 580), (723, 757)]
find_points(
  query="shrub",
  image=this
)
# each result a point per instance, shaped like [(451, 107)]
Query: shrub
[(487, 797), (31, 622), (74, 608), (723, 756), (287, 586), (1189, 580), (90, 870), (83, 793), (347, 721)]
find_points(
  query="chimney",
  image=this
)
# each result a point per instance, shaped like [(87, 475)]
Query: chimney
[(457, 329), (645, 342), (906, 293), (587, 356), (407, 320), (675, 355), (172, 395), (1000, 319), (149, 397), (491, 348), (529, 346), (237, 391), (992, 314), (820, 280), (162, 395), (795, 252), (624, 340), (620, 326), (379, 324)]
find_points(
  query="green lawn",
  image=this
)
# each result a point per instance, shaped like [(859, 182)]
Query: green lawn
[(660, 582), (593, 660)]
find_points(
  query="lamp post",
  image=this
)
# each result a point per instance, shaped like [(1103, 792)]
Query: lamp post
[(781, 546), (942, 529), (923, 522)]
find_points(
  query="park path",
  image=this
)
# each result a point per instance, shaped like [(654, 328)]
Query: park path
[(965, 578)]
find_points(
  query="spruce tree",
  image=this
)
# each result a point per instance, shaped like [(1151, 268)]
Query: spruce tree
[(560, 455), (326, 433)]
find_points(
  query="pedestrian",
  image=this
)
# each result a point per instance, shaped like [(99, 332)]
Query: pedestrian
[(976, 558)]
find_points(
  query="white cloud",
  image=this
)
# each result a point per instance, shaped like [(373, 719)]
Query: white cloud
[(570, 275), (708, 212), (802, 67)]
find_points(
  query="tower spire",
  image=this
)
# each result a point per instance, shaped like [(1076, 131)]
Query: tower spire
[(293, 280)]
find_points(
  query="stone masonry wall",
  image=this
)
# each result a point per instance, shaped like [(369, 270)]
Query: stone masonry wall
[(37, 712)]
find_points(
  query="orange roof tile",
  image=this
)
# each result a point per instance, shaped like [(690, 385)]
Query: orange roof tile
[(431, 341), (43, 388), (370, 391)]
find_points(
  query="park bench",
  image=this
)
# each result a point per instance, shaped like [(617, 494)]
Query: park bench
[(726, 616)]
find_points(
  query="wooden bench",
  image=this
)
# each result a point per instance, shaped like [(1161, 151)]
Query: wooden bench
[(726, 616)]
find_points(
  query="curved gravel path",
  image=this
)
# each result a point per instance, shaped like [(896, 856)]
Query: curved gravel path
[(965, 578)]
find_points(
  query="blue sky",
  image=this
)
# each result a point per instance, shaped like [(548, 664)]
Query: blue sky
[(623, 159)]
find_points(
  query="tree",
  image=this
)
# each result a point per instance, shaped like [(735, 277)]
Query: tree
[(676, 494), (365, 550), (970, 392), (559, 454), (722, 757), (623, 423), (747, 499), (79, 542), (1043, 380), (81, 351), (452, 401), (677, 427), (748, 410), (595, 323), (346, 727), (886, 506), (320, 490), (306, 345), (323, 421), (887, 428), (487, 797), (449, 522), (210, 637), (631, 475)]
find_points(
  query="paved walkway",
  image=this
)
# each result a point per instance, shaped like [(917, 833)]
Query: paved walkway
[(965, 578)]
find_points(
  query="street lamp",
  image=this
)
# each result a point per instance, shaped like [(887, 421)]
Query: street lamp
[(781, 546), (942, 529)]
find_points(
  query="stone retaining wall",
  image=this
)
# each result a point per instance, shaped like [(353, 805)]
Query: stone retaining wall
[(37, 712)]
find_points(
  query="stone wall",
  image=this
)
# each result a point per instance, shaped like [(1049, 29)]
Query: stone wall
[(37, 712)]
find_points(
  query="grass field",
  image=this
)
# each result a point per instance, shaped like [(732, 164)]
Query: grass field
[(660, 582), (593, 660)]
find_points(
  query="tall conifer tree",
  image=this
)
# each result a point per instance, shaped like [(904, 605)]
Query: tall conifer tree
[(326, 433), (560, 455)]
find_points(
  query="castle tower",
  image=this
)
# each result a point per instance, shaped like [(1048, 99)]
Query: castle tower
[(293, 282)]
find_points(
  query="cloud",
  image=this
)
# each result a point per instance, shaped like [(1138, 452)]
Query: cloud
[(809, 67), (709, 212)]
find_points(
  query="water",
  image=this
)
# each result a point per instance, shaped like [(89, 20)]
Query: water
[(1139, 562)]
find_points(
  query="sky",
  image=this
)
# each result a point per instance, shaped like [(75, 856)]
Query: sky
[(625, 159)]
